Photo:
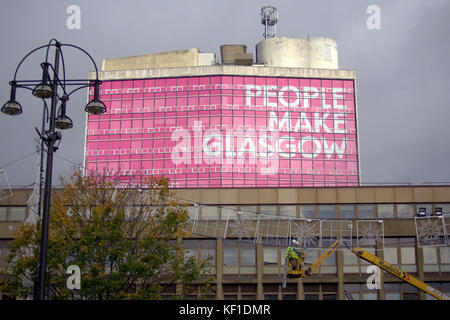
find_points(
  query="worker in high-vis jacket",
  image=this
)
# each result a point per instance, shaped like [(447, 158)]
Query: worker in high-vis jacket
[(295, 256)]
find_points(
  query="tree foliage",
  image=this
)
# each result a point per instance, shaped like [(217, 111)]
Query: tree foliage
[(125, 239)]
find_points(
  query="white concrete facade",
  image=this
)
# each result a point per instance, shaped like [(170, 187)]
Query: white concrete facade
[(226, 70)]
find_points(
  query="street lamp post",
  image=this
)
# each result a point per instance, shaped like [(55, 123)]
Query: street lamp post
[(48, 88)]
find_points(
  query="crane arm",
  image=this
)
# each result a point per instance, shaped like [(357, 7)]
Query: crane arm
[(365, 255), (322, 258)]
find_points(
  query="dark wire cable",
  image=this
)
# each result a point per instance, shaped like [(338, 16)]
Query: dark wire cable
[(15, 161)]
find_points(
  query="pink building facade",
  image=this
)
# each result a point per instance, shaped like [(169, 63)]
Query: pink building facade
[(227, 131)]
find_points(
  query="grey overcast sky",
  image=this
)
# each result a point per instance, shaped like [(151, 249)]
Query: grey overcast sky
[(402, 70)]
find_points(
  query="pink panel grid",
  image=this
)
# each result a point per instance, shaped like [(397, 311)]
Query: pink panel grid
[(227, 131)]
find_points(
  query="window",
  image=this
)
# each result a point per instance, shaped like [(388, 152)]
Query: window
[(409, 292), (192, 211), (270, 255), (385, 211), (196, 292), (353, 264), (209, 212), (202, 250), (444, 287), (430, 259), (308, 211), (4, 251), (239, 257), (17, 213), (324, 291), (190, 248), (444, 259), (239, 291), (227, 212), (436, 259), (230, 254), (249, 209), (274, 258), (269, 210), (401, 252), (391, 255), (275, 291), (13, 213), (288, 211), (346, 211), (359, 291), (400, 291), (408, 255), (392, 291), (327, 267), (248, 256), (271, 261), (366, 211), (405, 211), (3, 213), (327, 212)]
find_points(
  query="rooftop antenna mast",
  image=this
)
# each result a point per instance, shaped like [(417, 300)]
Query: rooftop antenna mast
[(269, 18)]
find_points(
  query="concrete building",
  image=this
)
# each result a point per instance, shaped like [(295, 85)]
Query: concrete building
[(288, 120), (247, 270), (273, 137)]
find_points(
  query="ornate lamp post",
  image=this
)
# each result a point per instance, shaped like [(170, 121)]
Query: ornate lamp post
[(55, 88)]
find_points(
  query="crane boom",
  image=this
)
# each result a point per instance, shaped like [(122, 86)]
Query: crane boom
[(323, 257), (365, 255), (298, 271)]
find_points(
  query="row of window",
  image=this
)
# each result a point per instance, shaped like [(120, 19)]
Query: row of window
[(319, 291), (337, 178), (328, 211), (306, 92), (13, 213), (139, 107), (214, 117), (266, 84), (239, 257), (338, 211), (341, 211)]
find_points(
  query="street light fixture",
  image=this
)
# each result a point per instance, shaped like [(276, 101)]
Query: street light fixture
[(47, 88), (96, 106), (63, 122), (44, 90), (12, 107)]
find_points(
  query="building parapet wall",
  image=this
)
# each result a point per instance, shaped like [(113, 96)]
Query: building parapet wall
[(306, 195), (225, 70), (325, 195), (171, 59)]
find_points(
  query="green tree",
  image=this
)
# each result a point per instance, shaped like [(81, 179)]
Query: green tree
[(125, 239)]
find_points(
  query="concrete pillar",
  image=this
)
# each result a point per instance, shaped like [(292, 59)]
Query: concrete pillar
[(300, 290), (381, 293), (219, 269), (420, 271), (340, 273), (259, 270)]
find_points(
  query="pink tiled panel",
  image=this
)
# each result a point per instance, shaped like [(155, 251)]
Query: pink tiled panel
[(227, 131)]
